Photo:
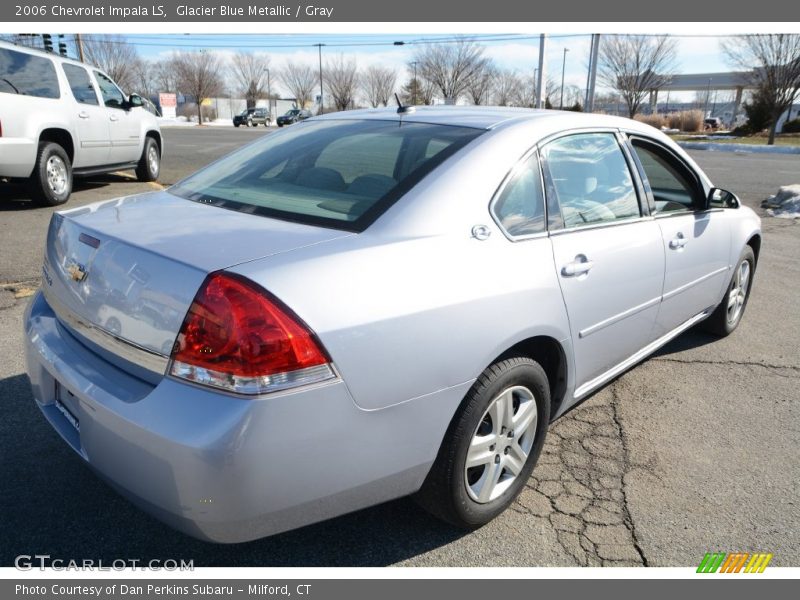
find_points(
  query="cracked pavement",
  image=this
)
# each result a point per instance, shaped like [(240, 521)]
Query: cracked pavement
[(693, 450)]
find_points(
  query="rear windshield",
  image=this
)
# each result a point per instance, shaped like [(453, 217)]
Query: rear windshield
[(341, 174), (26, 74)]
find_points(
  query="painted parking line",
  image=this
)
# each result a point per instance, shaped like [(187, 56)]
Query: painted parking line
[(129, 177)]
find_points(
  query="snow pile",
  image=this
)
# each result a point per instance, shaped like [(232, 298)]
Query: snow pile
[(785, 204), (176, 122)]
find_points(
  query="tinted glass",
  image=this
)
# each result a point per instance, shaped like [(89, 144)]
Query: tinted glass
[(28, 75), (672, 187), (80, 84), (520, 206), (590, 178), (112, 97), (336, 173)]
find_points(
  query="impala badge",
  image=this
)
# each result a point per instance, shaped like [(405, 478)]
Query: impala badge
[(77, 272)]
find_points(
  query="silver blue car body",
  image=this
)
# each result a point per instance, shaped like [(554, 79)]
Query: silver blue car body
[(410, 310)]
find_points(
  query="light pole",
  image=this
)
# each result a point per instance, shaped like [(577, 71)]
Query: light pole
[(269, 97), (708, 94), (321, 103), (563, 68), (416, 83)]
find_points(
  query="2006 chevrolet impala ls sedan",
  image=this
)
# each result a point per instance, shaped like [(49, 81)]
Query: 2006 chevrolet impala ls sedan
[(373, 304)]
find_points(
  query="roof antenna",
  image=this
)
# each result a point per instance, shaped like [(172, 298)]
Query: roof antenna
[(403, 110)]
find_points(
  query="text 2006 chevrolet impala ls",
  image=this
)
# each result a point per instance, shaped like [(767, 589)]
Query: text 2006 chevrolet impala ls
[(373, 304)]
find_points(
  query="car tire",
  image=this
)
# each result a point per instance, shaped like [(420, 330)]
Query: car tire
[(150, 163), (50, 184), (728, 313), (458, 494), (280, 124), (236, 124)]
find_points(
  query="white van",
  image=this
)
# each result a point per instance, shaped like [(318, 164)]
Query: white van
[(60, 117)]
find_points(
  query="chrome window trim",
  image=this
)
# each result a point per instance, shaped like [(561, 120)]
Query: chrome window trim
[(603, 225), (147, 359)]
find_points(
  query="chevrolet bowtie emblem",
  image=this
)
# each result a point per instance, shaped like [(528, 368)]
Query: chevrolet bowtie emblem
[(76, 272)]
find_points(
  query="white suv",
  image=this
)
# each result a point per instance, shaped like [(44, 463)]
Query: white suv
[(60, 117)]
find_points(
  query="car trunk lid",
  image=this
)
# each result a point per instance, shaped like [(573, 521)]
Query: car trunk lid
[(122, 274)]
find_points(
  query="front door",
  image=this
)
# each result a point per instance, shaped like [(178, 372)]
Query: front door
[(123, 122), (696, 240)]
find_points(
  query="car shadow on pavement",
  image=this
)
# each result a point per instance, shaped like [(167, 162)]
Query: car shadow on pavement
[(694, 338), (18, 198), (53, 504)]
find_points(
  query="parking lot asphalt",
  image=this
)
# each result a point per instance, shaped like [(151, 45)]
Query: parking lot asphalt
[(693, 450)]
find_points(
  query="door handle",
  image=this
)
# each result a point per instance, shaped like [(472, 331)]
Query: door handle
[(83, 114), (678, 242), (113, 118), (579, 266)]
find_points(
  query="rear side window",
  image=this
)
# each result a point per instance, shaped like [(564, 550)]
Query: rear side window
[(112, 97), (28, 75), (342, 174), (80, 84), (590, 178), (520, 205)]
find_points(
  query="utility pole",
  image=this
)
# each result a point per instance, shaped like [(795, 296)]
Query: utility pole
[(541, 77), (535, 80), (563, 69), (321, 99), (708, 94), (593, 60), (79, 44), (269, 97)]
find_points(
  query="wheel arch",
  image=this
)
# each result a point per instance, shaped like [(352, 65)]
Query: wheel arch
[(551, 355), (62, 137), (156, 135), (755, 243)]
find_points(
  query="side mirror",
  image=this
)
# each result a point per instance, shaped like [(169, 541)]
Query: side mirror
[(135, 100), (719, 198)]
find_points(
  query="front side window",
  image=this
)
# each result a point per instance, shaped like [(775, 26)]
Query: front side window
[(520, 205), (112, 96), (341, 174), (589, 177), (80, 84), (672, 186), (27, 75)]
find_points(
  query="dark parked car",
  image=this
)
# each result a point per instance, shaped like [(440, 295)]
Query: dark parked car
[(293, 116), (252, 117), (243, 117)]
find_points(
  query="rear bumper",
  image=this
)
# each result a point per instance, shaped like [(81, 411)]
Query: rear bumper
[(222, 468), (17, 157)]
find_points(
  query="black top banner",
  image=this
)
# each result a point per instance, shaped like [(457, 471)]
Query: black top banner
[(338, 11)]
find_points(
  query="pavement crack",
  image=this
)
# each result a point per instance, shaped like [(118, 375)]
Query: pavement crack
[(628, 520), (773, 368)]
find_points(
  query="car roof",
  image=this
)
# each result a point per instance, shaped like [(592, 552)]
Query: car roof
[(488, 117), (38, 52)]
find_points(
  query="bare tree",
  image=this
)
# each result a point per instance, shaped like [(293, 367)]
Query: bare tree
[(451, 67), (112, 54), (250, 75), (164, 75), (775, 63), (505, 85), (199, 74), (143, 80), (300, 80), (635, 65), (341, 77), (377, 84), (479, 89)]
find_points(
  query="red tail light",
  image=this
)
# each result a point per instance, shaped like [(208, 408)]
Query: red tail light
[(236, 337)]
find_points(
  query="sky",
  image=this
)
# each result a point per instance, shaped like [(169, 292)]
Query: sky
[(696, 53)]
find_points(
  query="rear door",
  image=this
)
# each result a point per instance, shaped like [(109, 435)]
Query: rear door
[(123, 123), (608, 252), (92, 124), (696, 240)]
